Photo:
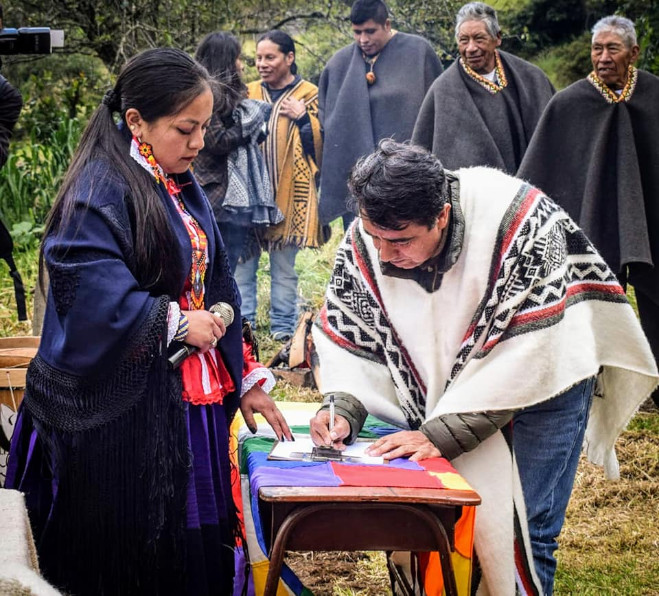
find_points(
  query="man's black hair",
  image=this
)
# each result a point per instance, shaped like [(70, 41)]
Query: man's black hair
[(399, 184), (363, 10)]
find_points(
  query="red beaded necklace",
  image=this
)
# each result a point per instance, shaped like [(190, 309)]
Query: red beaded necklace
[(198, 239), (199, 242)]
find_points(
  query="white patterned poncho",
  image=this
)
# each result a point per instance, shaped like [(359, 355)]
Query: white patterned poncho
[(528, 310)]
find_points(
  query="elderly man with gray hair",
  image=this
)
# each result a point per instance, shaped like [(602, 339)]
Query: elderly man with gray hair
[(596, 153), (487, 103)]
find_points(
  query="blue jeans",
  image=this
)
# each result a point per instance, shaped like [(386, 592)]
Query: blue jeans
[(547, 440), (234, 238), (283, 289)]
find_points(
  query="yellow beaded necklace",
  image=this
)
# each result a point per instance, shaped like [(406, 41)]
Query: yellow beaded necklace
[(490, 86), (611, 96)]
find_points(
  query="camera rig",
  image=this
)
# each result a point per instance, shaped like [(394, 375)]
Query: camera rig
[(30, 40)]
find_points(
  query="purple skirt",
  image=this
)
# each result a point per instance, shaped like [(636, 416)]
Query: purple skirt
[(210, 512)]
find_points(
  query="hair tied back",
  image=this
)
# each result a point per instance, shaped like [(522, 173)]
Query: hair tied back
[(111, 100)]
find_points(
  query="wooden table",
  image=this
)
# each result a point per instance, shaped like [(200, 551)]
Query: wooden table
[(361, 518)]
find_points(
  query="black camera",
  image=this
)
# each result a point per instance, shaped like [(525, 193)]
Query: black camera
[(30, 40)]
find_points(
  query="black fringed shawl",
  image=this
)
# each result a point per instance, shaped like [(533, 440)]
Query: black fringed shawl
[(105, 405)]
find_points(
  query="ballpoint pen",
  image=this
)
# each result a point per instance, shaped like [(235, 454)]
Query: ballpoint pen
[(331, 413)]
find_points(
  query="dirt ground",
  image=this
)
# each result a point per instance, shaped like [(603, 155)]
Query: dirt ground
[(333, 573)]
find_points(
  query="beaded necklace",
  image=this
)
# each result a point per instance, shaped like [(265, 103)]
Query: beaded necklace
[(611, 96), (199, 242), (490, 86), (142, 153)]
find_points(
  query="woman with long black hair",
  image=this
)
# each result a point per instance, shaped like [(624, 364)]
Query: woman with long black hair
[(124, 459), (293, 153), (231, 168)]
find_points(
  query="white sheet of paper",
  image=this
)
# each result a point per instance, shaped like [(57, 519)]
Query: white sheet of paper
[(304, 445)]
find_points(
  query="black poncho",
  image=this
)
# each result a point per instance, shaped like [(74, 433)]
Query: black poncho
[(600, 161), (465, 125)]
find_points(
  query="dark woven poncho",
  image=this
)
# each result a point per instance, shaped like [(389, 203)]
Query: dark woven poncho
[(355, 117), (465, 125), (600, 162)]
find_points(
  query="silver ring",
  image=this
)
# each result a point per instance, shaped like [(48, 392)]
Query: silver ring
[(213, 342)]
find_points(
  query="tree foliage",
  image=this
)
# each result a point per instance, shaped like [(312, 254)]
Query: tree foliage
[(116, 29), (551, 32), (61, 90), (547, 25)]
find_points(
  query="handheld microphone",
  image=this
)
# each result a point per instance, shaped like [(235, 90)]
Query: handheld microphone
[(225, 311)]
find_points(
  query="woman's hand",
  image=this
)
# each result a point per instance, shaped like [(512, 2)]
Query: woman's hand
[(205, 329), (406, 442), (258, 401), (320, 432), (293, 108)]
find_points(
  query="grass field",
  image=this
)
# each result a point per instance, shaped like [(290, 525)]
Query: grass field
[(610, 542)]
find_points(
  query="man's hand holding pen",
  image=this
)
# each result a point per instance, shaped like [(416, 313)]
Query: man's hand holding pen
[(323, 435)]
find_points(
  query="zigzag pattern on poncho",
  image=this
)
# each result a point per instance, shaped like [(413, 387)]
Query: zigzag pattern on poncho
[(541, 264)]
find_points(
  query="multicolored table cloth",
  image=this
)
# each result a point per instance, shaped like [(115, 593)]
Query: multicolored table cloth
[(249, 455)]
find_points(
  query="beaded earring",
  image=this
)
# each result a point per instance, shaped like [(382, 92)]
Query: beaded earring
[(146, 151)]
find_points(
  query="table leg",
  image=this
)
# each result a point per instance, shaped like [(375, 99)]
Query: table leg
[(296, 516), (444, 548), (397, 578), (279, 546)]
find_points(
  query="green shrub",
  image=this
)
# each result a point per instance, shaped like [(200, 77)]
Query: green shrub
[(566, 63), (33, 173)]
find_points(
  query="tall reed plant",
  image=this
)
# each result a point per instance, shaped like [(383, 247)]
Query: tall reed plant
[(32, 175)]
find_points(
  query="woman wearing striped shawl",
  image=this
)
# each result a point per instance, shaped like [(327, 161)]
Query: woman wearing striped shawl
[(293, 152)]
